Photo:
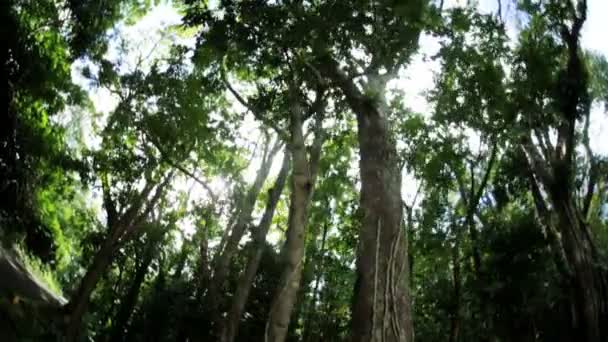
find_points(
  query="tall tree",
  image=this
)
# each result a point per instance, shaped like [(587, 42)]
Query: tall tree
[(538, 106), (222, 260), (381, 289), (554, 164), (304, 174), (121, 225), (230, 326)]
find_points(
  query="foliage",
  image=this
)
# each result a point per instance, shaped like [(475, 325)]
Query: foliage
[(163, 176)]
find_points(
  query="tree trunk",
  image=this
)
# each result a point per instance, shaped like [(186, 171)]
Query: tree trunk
[(380, 291), (80, 302), (120, 229), (128, 303), (381, 308), (455, 315), (292, 253), (230, 326), (222, 262), (318, 271), (204, 268), (589, 280), (158, 316), (181, 261)]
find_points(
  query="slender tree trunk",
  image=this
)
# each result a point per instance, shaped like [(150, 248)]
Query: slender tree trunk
[(204, 268), (381, 308), (222, 262), (119, 231), (471, 199), (239, 300), (292, 253), (80, 303), (130, 300), (157, 316), (318, 271), (181, 261), (455, 315)]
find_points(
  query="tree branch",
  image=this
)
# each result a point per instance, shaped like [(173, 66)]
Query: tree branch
[(165, 158), (535, 161), (108, 202), (250, 108), (486, 176)]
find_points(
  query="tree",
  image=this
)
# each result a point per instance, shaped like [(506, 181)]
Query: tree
[(535, 103), (161, 215)]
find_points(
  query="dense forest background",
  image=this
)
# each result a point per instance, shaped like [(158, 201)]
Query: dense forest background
[(365, 170)]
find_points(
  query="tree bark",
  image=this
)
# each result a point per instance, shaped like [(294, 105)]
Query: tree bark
[(204, 268), (292, 253), (589, 282), (230, 326), (381, 309)]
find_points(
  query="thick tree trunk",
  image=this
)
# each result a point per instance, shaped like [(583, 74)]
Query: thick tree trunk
[(128, 303), (589, 280), (292, 253), (239, 300), (381, 308)]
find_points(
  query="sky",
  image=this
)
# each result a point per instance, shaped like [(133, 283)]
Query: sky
[(143, 39)]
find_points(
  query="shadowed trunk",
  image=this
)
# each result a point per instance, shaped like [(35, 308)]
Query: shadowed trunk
[(308, 336), (130, 300), (230, 327), (589, 281), (471, 200), (80, 301), (455, 314)]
